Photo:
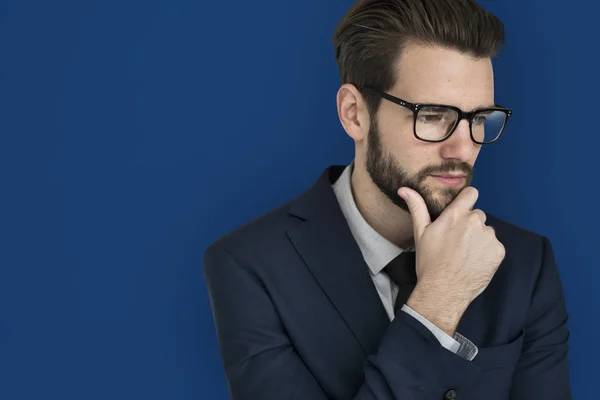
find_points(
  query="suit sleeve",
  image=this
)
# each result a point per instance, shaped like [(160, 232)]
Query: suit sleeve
[(261, 362), (542, 371)]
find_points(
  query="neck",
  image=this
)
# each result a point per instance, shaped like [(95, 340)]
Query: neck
[(389, 220)]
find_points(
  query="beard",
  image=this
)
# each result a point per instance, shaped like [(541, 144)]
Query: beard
[(388, 176)]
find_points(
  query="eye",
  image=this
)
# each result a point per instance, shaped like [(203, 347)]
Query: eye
[(430, 117), (480, 119)]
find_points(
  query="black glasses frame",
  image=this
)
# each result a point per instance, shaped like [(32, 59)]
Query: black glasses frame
[(461, 115)]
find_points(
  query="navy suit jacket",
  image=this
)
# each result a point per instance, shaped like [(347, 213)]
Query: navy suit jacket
[(298, 317)]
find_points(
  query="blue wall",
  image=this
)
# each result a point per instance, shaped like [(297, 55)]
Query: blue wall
[(134, 133), (544, 175)]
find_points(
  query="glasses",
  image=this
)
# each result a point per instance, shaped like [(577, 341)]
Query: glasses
[(437, 122)]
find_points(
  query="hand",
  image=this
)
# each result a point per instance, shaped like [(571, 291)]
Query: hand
[(457, 256)]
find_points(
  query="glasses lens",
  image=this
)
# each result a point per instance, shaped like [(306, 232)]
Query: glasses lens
[(488, 125), (434, 123)]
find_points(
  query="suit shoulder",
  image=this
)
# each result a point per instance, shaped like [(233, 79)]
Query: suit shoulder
[(513, 235), (260, 232)]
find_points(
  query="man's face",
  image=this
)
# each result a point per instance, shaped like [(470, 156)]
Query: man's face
[(396, 158)]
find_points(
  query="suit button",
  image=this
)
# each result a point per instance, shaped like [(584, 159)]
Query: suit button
[(450, 395)]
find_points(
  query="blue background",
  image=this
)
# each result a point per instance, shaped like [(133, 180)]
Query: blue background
[(134, 133)]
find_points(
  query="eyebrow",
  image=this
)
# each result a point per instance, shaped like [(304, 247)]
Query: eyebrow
[(494, 105), (485, 107)]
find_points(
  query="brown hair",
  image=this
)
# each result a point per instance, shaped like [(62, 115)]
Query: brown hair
[(369, 40)]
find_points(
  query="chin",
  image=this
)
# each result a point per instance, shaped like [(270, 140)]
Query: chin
[(439, 198)]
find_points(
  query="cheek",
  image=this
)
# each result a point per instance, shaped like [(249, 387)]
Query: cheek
[(397, 138), (413, 158), (396, 126), (419, 155), (408, 152)]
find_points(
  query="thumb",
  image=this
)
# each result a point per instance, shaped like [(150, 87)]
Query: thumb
[(418, 210)]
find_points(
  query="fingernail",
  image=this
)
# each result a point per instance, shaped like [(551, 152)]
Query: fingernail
[(402, 193)]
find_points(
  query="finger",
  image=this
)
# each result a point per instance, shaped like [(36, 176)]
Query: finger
[(418, 210), (482, 216), (465, 201), (491, 230)]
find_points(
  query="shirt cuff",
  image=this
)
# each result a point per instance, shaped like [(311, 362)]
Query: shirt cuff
[(459, 345)]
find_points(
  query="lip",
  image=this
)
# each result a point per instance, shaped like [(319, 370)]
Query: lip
[(450, 180), (449, 176)]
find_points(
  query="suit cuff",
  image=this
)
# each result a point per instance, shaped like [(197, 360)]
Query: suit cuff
[(459, 345)]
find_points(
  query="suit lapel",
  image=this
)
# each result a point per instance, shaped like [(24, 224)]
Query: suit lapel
[(329, 250)]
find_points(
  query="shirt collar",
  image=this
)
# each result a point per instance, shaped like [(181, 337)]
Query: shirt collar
[(376, 250)]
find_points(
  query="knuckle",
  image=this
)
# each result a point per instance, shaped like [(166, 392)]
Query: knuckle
[(483, 216), (501, 250), (474, 218)]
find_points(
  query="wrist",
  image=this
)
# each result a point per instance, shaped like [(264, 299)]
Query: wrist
[(442, 310)]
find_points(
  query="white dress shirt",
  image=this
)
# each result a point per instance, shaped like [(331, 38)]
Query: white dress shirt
[(378, 252)]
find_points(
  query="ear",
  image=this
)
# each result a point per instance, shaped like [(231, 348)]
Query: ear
[(353, 112)]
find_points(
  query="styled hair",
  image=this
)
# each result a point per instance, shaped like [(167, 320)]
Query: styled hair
[(370, 38)]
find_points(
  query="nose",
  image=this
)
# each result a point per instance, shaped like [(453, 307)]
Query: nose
[(459, 145)]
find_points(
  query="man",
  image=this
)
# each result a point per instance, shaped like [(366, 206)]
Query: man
[(382, 281)]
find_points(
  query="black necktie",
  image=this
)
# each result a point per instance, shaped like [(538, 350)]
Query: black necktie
[(402, 271)]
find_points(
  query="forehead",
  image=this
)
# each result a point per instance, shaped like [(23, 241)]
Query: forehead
[(431, 74)]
